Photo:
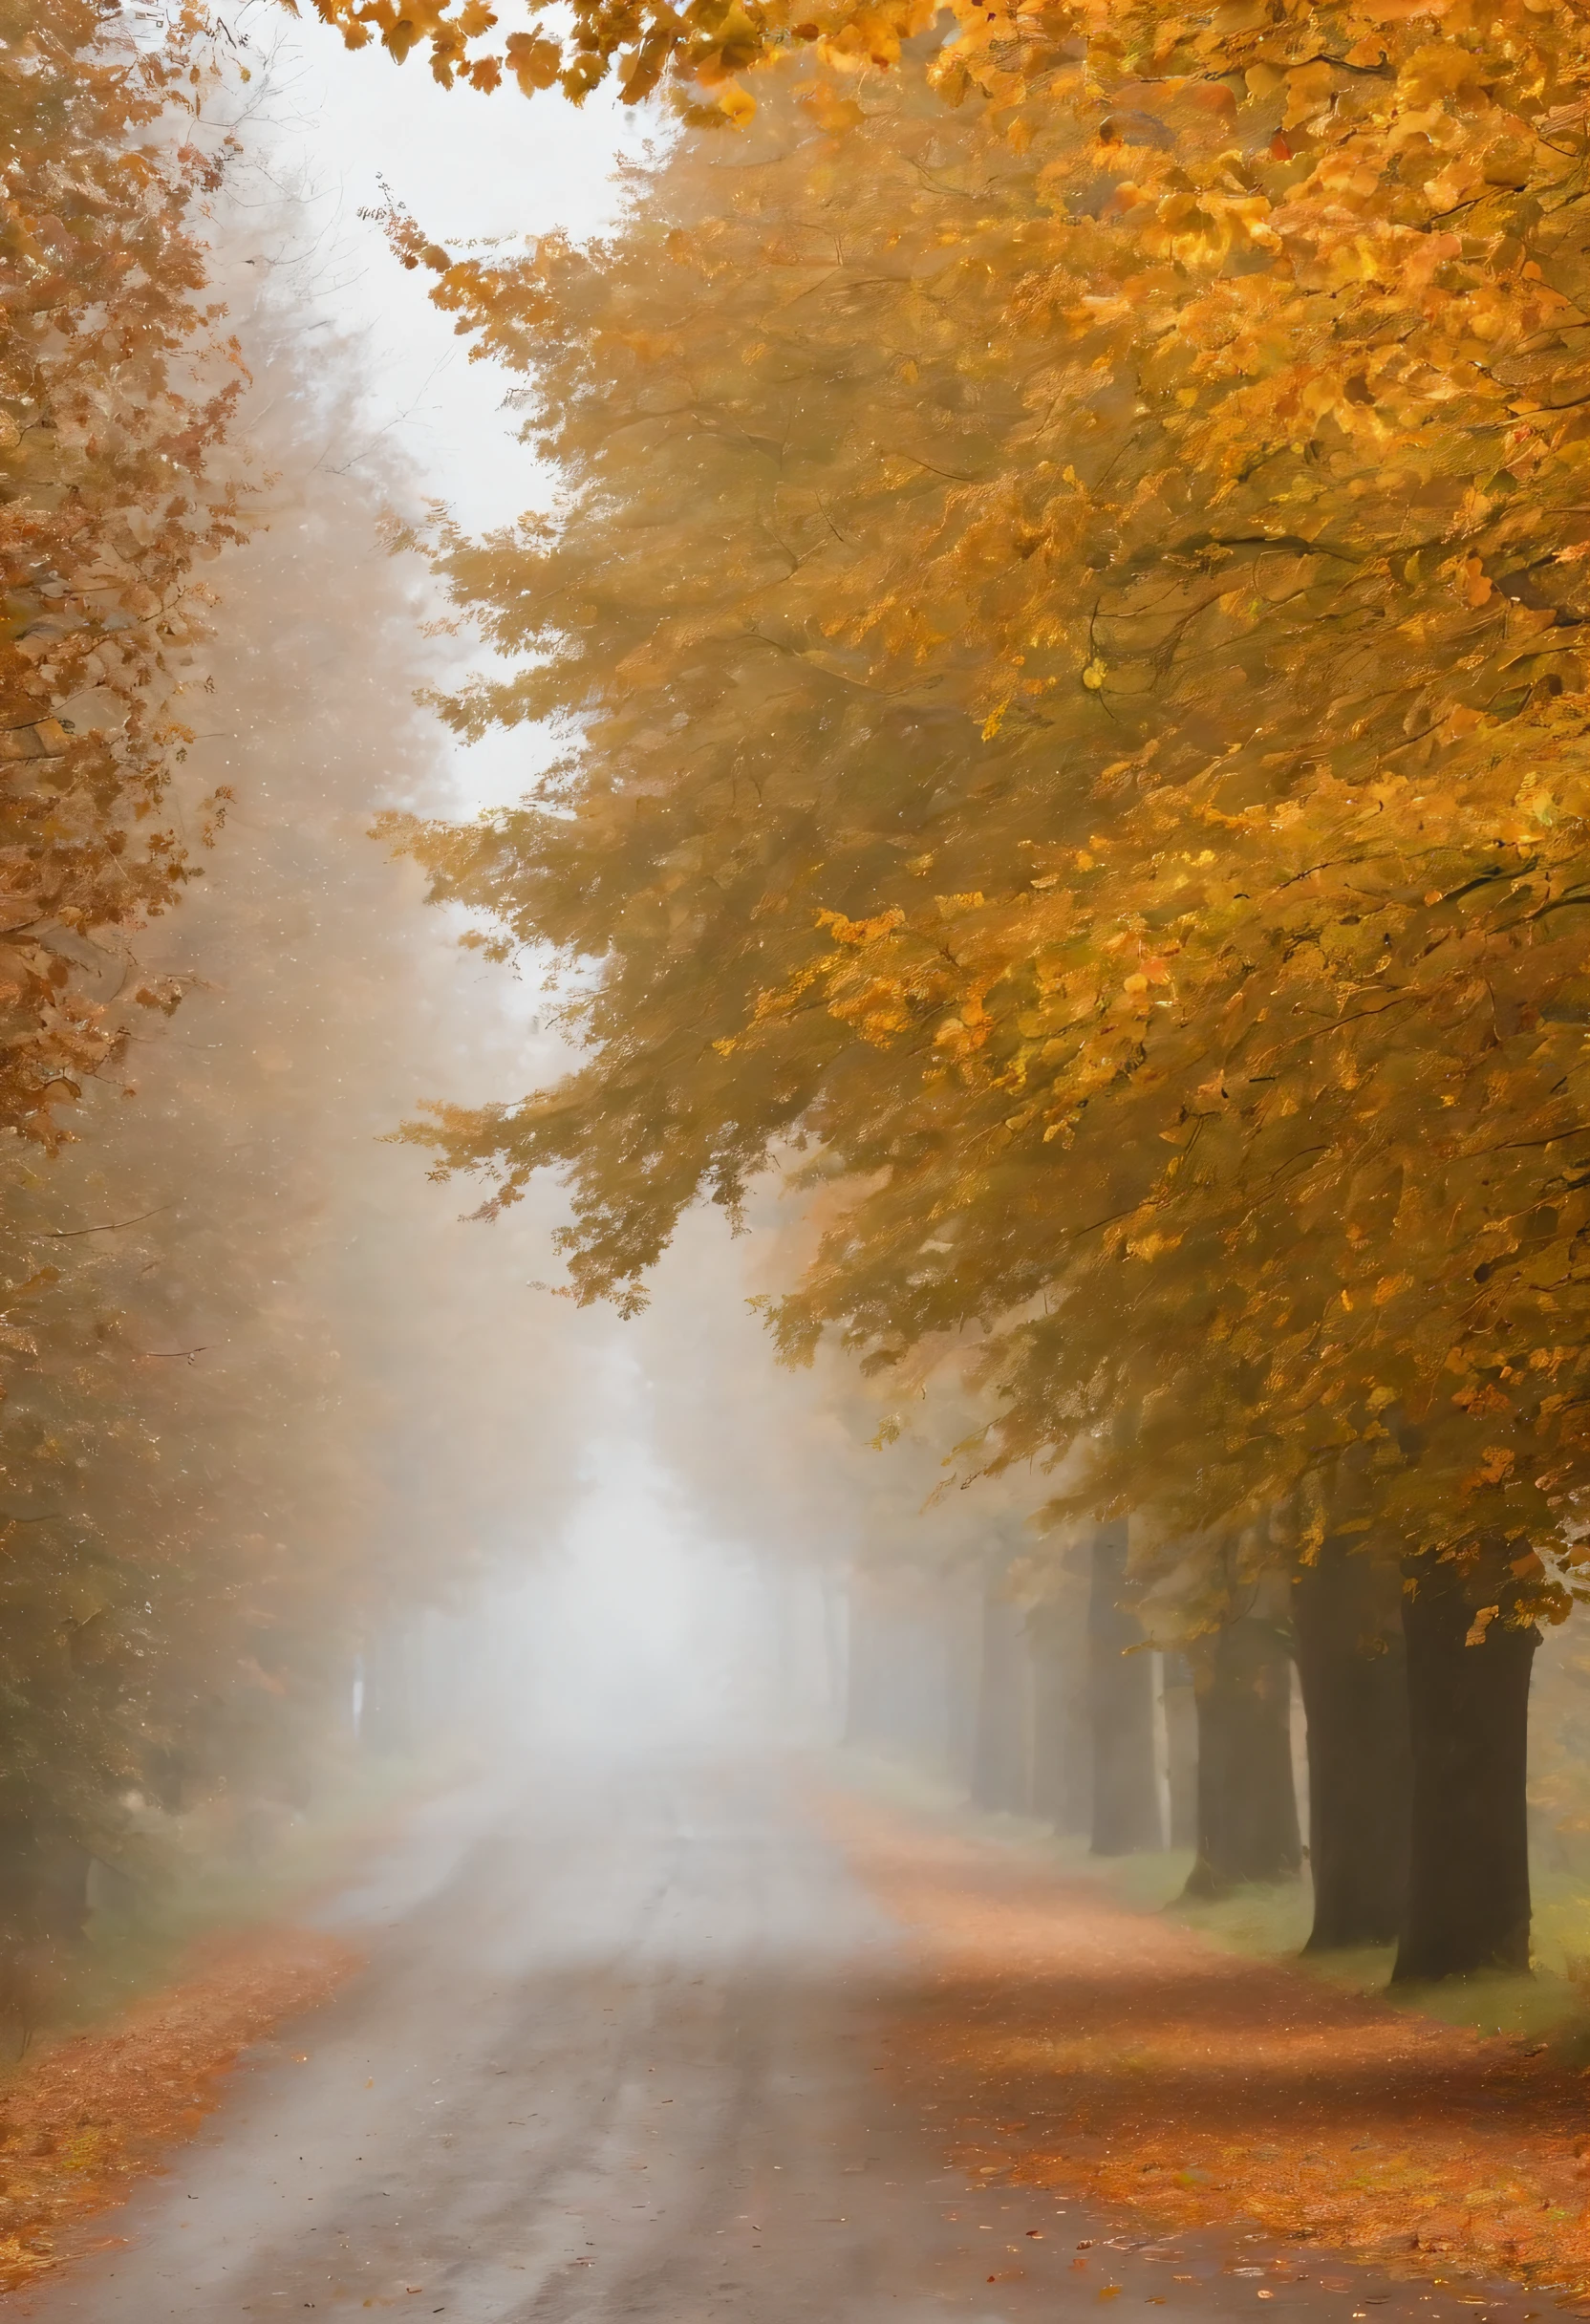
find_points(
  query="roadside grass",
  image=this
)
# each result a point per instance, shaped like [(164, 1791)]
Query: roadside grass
[(191, 1884)]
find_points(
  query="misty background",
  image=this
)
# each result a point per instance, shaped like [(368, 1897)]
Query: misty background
[(592, 1533)]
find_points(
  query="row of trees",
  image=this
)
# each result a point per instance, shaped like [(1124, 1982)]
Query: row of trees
[(116, 394), (1065, 617), (243, 1434)]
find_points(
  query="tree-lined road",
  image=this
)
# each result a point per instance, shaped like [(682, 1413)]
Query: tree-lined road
[(615, 2058)]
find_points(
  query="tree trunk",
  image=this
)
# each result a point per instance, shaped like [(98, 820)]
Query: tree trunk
[(1062, 1749), (963, 1669), (1121, 1698), (1000, 1774), (1181, 1748), (1352, 1664), (1247, 1802), (1469, 1900)]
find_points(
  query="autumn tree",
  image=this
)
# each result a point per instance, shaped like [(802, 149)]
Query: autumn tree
[(331, 1412), (782, 731), (1177, 607), (243, 1437), (114, 396)]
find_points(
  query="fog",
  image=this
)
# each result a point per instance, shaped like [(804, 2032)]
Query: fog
[(657, 1448), (552, 1549), (406, 1498)]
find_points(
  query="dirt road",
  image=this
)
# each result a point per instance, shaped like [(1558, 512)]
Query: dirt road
[(615, 2061)]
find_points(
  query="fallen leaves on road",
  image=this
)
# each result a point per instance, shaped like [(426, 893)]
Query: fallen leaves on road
[(1115, 2052), (89, 2112)]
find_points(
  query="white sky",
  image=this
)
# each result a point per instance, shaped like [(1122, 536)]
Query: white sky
[(338, 123), (325, 129)]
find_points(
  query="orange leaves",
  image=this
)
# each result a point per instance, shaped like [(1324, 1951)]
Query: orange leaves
[(96, 2110), (532, 60), (1148, 1247), (1472, 586), (117, 391), (1496, 1465), (861, 931), (1193, 2085), (1486, 1398), (1172, 543)]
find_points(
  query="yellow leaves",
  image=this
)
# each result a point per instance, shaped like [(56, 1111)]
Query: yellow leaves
[(1309, 90), (1480, 1624), (1496, 1465), (1439, 71), (862, 932), (1150, 1246), (960, 1038), (1472, 584), (879, 1009), (1463, 720), (1254, 537), (533, 61), (1458, 183)]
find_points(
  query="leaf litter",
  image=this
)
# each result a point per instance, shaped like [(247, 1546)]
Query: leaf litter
[(1086, 2045), (88, 2113)]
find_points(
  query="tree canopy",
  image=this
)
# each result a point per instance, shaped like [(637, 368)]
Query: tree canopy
[(1109, 558), (210, 1506)]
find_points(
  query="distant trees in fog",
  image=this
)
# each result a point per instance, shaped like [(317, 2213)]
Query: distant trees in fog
[(1076, 752)]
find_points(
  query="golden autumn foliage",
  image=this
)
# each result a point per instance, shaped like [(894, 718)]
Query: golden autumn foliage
[(113, 394), (1112, 558), (116, 390), (631, 43), (209, 1505)]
